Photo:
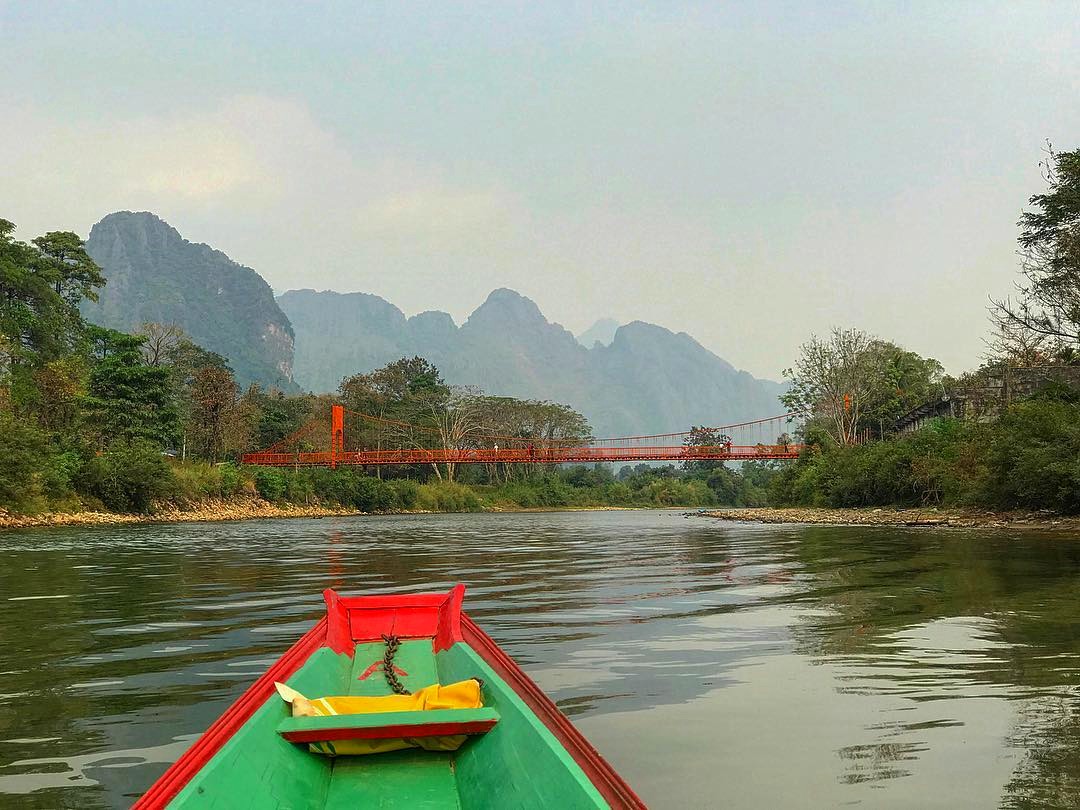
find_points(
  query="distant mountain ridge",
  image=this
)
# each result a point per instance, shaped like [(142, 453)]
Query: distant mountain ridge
[(602, 332), (648, 379), (631, 379), (153, 274)]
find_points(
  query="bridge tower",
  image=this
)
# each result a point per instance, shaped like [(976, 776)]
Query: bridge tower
[(337, 434)]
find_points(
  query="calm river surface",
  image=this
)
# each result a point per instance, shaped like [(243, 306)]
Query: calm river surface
[(714, 664)]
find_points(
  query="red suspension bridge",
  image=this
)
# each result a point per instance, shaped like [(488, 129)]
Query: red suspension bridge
[(326, 443)]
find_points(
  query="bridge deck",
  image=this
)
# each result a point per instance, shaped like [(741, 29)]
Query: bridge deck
[(521, 455)]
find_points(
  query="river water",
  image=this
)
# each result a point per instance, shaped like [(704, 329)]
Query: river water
[(714, 664)]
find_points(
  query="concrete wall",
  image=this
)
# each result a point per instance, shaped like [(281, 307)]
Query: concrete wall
[(994, 389)]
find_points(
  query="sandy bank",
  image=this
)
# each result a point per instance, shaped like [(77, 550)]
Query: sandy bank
[(963, 518)]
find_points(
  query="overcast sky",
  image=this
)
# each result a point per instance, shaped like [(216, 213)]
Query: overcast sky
[(749, 173)]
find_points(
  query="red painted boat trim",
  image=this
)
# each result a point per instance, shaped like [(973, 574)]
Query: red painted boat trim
[(606, 780), (221, 730), (448, 630), (352, 619), (391, 732)]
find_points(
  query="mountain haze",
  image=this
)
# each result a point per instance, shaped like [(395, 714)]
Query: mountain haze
[(602, 332), (648, 379), (631, 379), (154, 274)]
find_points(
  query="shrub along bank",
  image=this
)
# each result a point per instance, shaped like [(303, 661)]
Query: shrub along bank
[(136, 478), (1027, 459), (562, 488)]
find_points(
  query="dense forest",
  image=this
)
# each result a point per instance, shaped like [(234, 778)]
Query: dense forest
[(95, 418)]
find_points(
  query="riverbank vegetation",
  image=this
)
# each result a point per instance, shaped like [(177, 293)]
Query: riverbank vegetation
[(1029, 458), (1006, 451)]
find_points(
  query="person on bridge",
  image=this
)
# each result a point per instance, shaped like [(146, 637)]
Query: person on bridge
[(532, 450), (496, 448)]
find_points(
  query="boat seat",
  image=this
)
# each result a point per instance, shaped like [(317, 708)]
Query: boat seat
[(388, 725)]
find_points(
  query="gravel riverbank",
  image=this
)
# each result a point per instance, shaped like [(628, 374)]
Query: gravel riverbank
[(898, 517), (234, 509)]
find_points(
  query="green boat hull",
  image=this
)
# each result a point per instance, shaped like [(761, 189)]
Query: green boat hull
[(519, 750), (519, 763)]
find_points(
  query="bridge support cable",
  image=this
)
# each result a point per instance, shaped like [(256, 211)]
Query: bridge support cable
[(356, 439)]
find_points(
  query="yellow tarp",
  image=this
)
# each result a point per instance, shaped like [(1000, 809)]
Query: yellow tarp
[(460, 695)]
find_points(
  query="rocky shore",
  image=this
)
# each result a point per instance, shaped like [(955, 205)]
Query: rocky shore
[(234, 509), (254, 508), (962, 518)]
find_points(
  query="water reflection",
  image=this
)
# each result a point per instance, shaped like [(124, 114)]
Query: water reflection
[(714, 664)]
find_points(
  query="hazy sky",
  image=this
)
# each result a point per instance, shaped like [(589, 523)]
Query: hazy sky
[(746, 172)]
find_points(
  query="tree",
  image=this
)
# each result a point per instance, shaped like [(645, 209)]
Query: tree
[(457, 419), (160, 341), (126, 399), (392, 387), (403, 398), (1049, 292), (73, 274), (128, 476), (703, 437), (41, 286), (60, 386), (1013, 344), (220, 422), (854, 385), (905, 381), (834, 379), (184, 361), (277, 415), (22, 449), (524, 423)]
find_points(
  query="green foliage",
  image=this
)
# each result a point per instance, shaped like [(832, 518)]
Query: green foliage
[(581, 486), (270, 483), (406, 493), (231, 479), (344, 486), (25, 465), (126, 398), (852, 385), (444, 496), (911, 470), (1046, 316), (547, 490), (371, 494), (1034, 456), (1052, 223), (745, 487), (71, 272), (194, 482), (277, 415), (41, 286), (128, 477), (1028, 459)]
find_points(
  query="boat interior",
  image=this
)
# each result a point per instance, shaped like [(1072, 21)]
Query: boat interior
[(509, 757)]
